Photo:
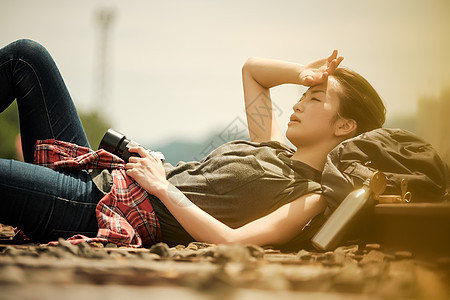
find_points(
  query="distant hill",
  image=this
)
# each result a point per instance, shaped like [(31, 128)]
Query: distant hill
[(188, 151), (181, 151)]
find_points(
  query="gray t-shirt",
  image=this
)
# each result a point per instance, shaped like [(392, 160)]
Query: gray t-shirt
[(237, 183)]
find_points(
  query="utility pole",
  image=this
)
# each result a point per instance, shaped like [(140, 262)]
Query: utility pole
[(104, 19)]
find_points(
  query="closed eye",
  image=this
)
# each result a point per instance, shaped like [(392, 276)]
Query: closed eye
[(315, 99), (303, 97)]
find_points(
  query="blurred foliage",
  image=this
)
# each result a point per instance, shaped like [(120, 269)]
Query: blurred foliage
[(9, 129), (94, 125)]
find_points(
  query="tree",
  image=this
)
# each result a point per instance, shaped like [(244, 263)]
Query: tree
[(94, 125), (9, 131)]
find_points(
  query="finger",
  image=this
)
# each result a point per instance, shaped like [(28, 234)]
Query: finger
[(132, 165), (319, 79), (333, 56), (139, 150), (130, 172), (133, 149), (308, 80), (134, 159), (339, 60), (332, 67)]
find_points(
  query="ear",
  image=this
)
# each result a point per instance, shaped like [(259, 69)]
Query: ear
[(345, 127)]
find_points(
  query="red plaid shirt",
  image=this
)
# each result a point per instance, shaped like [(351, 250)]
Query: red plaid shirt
[(125, 215)]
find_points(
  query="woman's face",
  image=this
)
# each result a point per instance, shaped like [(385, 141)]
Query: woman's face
[(314, 115)]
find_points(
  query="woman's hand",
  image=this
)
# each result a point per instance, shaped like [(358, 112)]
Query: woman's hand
[(318, 71), (147, 171)]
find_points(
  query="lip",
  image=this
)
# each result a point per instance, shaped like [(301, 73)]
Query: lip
[(294, 119)]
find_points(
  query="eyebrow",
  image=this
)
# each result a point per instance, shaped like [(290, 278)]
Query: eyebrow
[(317, 91), (314, 92)]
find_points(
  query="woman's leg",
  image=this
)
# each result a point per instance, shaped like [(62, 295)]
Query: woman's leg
[(44, 203), (46, 110), (47, 204)]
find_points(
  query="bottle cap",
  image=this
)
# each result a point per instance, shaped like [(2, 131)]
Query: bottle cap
[(377, 183)]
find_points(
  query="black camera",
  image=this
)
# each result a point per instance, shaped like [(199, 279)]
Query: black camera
[(118, 144)]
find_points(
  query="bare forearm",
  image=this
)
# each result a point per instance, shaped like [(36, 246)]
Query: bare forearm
[(275, 228), (270, 72), (198, 223), (258, 76), (204, 227)]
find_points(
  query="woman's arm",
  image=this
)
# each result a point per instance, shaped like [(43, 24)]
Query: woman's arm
[(261, 74), (275, 228), (258, 76)]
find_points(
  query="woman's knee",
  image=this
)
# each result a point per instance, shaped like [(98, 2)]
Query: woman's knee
[(27, 49)]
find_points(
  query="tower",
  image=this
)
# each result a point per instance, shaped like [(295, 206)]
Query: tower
[(104, 18)]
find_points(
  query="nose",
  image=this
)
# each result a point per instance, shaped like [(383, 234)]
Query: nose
[(298, 106)]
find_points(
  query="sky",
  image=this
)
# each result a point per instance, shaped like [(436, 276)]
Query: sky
[(174, 67)]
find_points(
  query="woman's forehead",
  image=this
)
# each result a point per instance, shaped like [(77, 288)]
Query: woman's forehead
[(328, 89)]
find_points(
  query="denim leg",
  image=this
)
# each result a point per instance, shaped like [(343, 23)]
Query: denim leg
[(44, 203), (46, 110), (47, 204)]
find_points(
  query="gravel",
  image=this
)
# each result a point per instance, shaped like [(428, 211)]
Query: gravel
[(220, 271)]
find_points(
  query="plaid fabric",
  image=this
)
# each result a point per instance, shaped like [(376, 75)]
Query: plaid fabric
[(125, 215)]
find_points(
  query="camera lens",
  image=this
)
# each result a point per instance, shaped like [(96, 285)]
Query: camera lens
[(114, 142), (118, 144)]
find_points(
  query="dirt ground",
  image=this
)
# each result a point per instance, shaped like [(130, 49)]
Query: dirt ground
[(206, 271)]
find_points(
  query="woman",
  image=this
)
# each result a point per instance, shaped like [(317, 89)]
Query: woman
[(260, 192)]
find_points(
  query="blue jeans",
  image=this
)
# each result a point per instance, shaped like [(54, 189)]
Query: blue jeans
[(44, 203)]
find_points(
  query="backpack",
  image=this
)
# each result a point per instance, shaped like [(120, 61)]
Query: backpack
[(399, 154)]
